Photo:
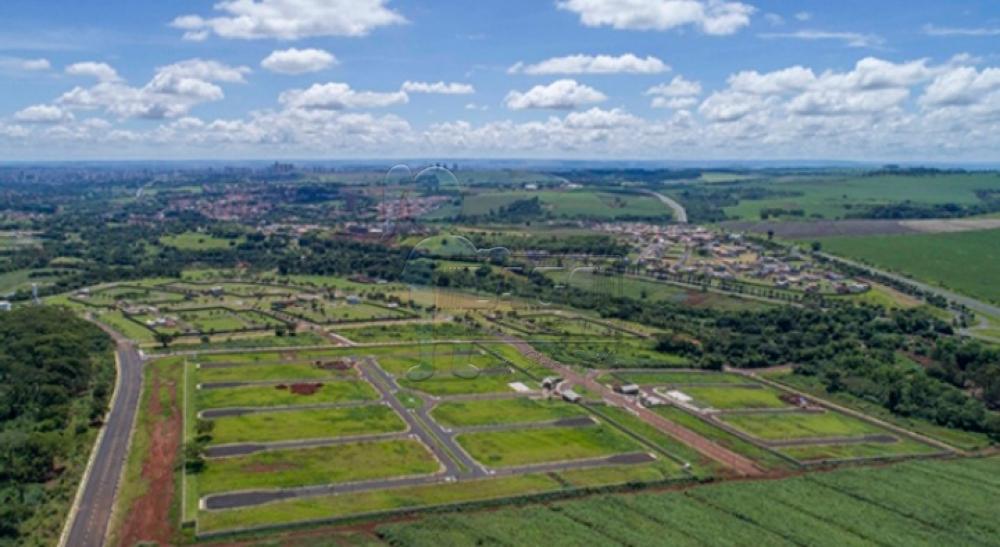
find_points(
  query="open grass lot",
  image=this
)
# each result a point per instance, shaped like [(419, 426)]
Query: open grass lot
[(762, 456), (889, 506), (340, 391), (133, 295), (379, 500), (903, 447), (609, 353), (306, 424), (664, 378), (411, 332), (327, 312), (503, 411), (529, 446), (117, 321), (726, 398), (652, 289), (800, 425), (194, 241), (275, 372), (325, 465), (836, 198), (959, 439), (449, 383), (440, 369), (572, 204), (967, 262)]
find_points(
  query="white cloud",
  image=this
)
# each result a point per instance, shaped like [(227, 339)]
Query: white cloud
[(850, 39), (16, 64), (298, 61), (593, 64), (716, 17), (43, 113), (440, 88), (339, 96), (678, 87), (595, 118), (290, 19), (973, 32), (174, 90), (561, 94), (679, 94), (962, 86), (803, 16), (101, 71)]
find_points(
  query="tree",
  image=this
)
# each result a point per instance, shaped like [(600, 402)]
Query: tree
[(164, 339)]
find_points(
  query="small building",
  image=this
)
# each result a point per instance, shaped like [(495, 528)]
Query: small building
[(217, 291), (5, 305), (627, 389), (651, 401), (550, 382), (571, 396), (353, 300)]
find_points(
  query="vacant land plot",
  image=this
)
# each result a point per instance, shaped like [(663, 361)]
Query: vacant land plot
[(902, 447), (726, 398), (325, 465), (304, 393), (825, 510), (269, 372), (968, 262), (330, 312), (306, 424), (529, 446), (804, 425), (503, 411), (660, 378)]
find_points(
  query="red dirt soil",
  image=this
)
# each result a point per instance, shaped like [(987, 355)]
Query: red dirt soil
[(306, 389), (148, 519)]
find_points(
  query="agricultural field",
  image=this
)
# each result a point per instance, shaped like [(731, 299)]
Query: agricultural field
[(966, 262), (898, 512), (571, 204), (836, 198)]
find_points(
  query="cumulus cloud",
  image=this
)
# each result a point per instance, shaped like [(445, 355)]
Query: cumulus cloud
[(679, 94), (174, 90), (962, 86), (298, 61), (101, 71), (716, 17), (593, 64), (339, 96), (849, 39), (561, 94), (440, 88), (43, 113), (290, 19)]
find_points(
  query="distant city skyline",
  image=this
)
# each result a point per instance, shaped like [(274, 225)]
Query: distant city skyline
[(663, 80)]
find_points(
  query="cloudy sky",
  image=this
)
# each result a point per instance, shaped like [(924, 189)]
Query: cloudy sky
[(902, 80)]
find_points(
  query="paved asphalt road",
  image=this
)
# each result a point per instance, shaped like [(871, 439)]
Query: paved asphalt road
[(680, 214), (97, 500)]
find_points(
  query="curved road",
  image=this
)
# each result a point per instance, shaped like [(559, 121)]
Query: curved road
[(88, 521), (680, 214)]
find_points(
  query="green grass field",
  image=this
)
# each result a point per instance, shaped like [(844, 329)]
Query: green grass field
[(325, 465), (967, 262), (658, 378), (193, 241), (306, 424), (800, 425), (572, 204), (836, 198), (270, 372), (502, 411), (762, 456), (726, 398), (919, 503), (247, 397), (530, 446), (904, 447)]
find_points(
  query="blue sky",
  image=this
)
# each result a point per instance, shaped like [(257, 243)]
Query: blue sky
[(603, 79)]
